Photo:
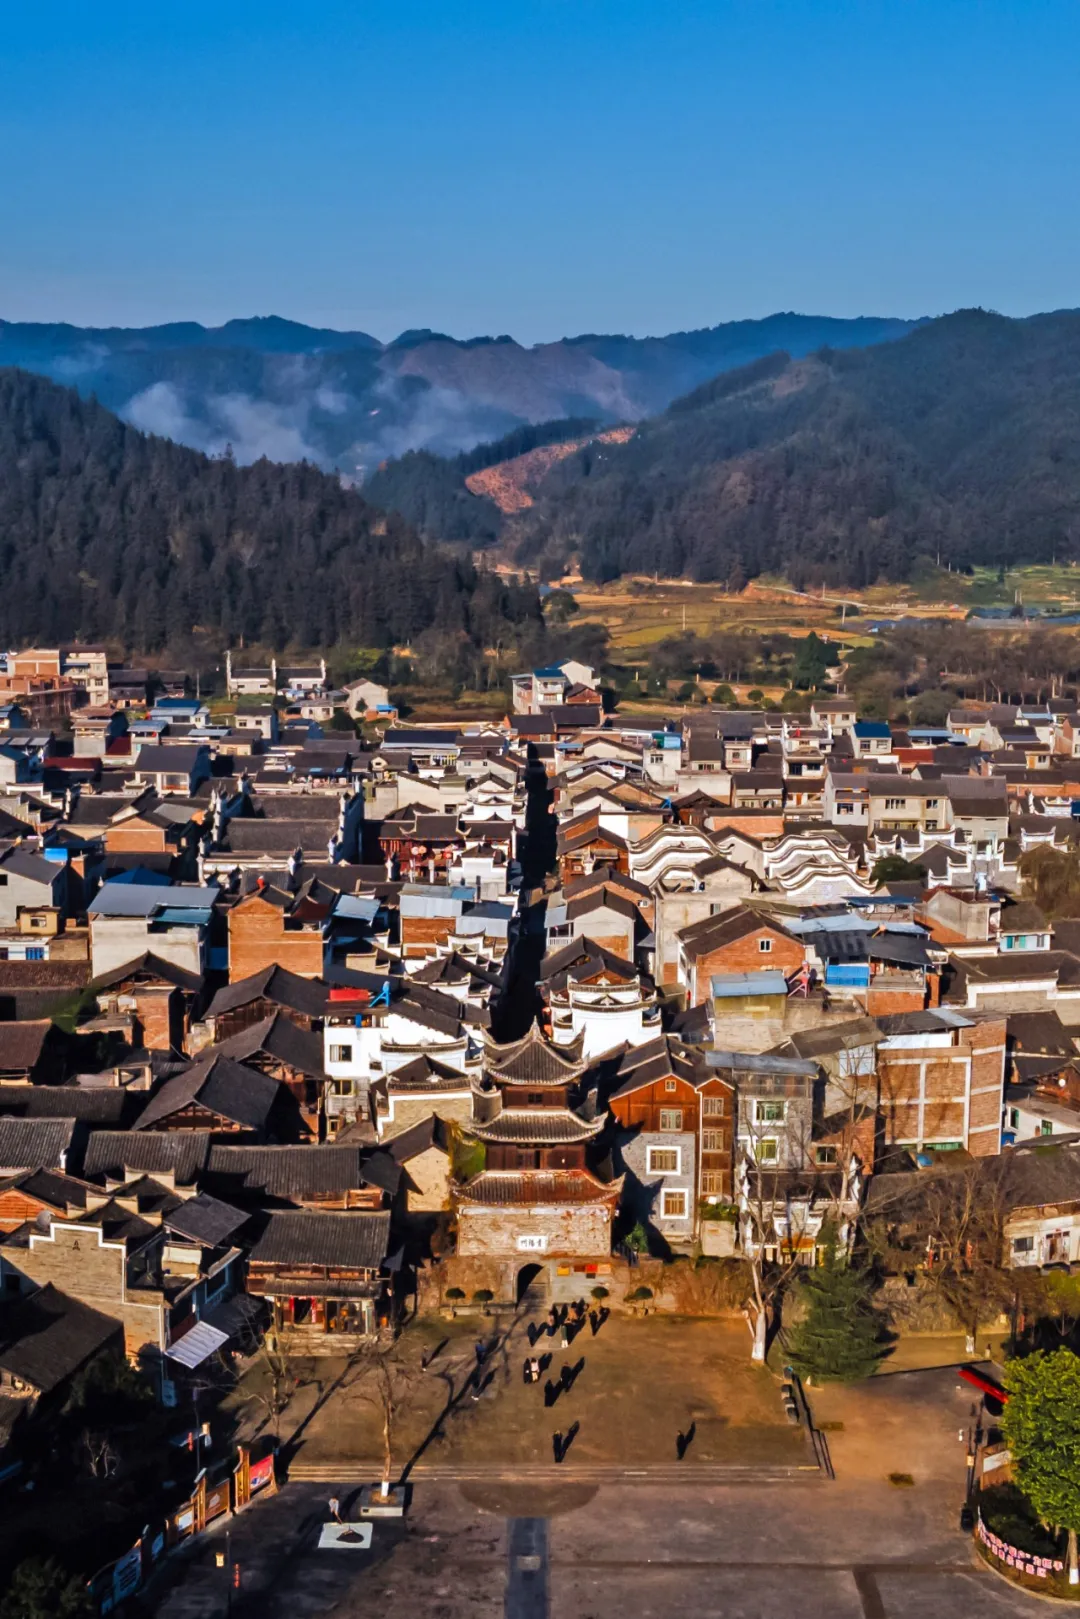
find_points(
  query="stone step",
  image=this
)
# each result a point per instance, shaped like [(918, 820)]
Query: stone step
[(351, 1472)]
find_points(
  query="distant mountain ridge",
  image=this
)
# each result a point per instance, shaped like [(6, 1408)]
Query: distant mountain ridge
[(272, 387), (960, 440)]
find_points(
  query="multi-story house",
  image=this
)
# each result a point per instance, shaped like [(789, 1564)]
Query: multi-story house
[(673, 1120)]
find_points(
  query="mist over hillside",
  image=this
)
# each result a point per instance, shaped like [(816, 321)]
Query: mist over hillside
[(277, 388)]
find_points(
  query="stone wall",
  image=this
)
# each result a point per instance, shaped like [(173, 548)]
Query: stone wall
[(79, 1263)]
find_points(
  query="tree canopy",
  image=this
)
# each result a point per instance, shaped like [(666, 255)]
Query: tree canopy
[(42, 1589), (961, 440), (110, 534), (1041, 1425)]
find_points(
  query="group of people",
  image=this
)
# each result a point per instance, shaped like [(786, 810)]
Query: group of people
[(568, 1320)]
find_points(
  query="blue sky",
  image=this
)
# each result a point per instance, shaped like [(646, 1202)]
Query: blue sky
[(539, 167)]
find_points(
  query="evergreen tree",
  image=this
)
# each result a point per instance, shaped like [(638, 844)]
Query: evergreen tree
[(841, 1337), (811, 661)]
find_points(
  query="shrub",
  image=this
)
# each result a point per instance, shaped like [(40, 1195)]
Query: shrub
[(756, 696), (483, 1295), (1007, 1511), (637, 1239), (639, 1295), (455, 1293), (599, 1294)]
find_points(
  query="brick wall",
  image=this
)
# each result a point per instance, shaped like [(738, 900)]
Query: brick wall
[(743, 956), (954, 1093), (421, 934), (258, 938)]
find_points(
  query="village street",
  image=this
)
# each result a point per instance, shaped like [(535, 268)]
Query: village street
[(584, 1542)]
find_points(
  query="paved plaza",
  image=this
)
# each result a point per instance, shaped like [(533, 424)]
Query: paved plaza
[(530, 1542)]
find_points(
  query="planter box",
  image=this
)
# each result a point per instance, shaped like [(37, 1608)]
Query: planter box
[(373, 1504)]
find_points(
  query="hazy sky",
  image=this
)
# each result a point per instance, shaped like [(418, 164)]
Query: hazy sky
[(538, 167)]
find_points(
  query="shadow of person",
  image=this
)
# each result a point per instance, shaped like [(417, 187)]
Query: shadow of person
[(568, 1439)]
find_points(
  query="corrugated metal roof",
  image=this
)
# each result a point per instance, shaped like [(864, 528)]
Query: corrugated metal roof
[(769, 981), (197, 1344)]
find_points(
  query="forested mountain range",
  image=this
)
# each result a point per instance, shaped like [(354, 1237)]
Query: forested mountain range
[(276, 388), (107, 533), (961, 439)]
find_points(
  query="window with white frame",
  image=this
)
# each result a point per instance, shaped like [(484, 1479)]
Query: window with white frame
[(825, 1155), (712, 1107), (670, 1085), (663, 1160), (712, 1140), (341, 1053), (764, 946), (671, 1118), (767, 1151), (769, 1112), (673, 1205)]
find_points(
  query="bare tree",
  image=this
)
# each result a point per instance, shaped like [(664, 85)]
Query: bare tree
[(102, 1456), (950, 1225), (784, 1198), (385, 1379), (272, 1355)]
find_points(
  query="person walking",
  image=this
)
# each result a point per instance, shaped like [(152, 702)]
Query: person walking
[(556, 1446), (335, 1509)]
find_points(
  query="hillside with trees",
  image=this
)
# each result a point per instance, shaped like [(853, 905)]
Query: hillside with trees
[(110, 534), (431, 492), (959, 441)]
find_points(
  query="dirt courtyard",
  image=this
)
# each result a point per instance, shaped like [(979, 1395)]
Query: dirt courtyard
[(638, 1385)]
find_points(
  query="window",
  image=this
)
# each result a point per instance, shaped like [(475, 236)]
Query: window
[(712, 1183), (673, 1205), (767, 1151), (932, 803), (825, 1155), (764, 946), (671, 1118), (341, 1053), (536, 1098), (3, 879), (1045, 1127), (663, 1160), (894, 803), (712, 1106), (35, 952), (769, 1112), (1023, 1245), (669, 1084), (1014, 1118), (712, 1141)]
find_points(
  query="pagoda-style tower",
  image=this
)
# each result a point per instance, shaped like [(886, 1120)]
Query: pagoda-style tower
[(535, 1196)]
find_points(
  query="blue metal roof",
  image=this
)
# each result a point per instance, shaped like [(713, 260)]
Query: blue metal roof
[(872, 728), (767, 981)]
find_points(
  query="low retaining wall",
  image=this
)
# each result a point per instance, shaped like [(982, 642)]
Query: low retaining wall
[(1045, 1574)]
